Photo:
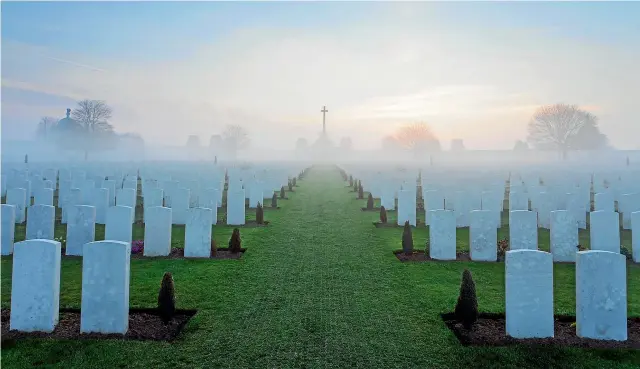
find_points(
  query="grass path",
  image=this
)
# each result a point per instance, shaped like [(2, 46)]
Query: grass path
[(318, 288)]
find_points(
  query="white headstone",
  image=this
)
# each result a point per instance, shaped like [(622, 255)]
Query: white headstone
[(18, 198), (518, 201), (433, 200), (110, 184), (628, 204), (72, 198), (197, 243), (43, 196), (406, 207), (105, 287), (603, 201), (442, 235), (256, 195), (180, 205), (40, 222), (209, 200), (635, 236), (118, 227), (127, 197), (483, 236), (100, 200), (235, 207), (81, 228), (35, 286), (523, 230), (529, 294), (601, 295), (7, 228), (604, 231), (564, 236), (152, 197), (157, 231)]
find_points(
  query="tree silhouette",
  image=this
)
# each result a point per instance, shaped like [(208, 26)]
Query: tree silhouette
[(88, 126), (235, 138), (45, 126), (563, 128), (417, 138)]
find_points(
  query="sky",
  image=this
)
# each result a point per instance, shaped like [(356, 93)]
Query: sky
[(471, 70)]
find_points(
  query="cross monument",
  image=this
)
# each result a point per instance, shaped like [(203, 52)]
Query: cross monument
[(324, 126)]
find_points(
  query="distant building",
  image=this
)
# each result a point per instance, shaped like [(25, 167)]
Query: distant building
[(457, 145)]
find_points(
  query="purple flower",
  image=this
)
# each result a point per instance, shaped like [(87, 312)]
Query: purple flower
[(137, 247)]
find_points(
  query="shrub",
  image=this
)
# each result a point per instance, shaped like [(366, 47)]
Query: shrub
[(235, 243), (214, 248), (383, 215), (503, 247), (350, 181), (467, 307), (282, 192), (274, 200), (294, 181), (370, 202), (166, 298), (137, 247), (259, 214), (290, 184), (360, 191), (355, 186), (407, 239), (625, 251)]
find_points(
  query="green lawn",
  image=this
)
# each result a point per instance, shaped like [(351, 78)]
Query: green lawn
[(318, 288)]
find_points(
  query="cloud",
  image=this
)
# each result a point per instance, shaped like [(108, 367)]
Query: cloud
[(274, 81)]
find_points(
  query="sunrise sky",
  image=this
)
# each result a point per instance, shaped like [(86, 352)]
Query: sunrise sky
[(471, 70)]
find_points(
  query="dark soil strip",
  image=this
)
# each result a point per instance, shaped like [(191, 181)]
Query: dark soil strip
[(421, 256), (178, 253), (395, 225), (490, 330), (144, 325), (378, 210)]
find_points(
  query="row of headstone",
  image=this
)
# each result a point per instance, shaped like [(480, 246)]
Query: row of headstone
[(82, 221), (601, 295), (35, 286), (523, 234)]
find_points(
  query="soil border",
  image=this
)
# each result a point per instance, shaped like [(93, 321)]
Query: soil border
[(421, 256), (394, 225), (144, 325), (491, 324)]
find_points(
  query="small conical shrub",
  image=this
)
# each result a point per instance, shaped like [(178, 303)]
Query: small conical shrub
[(167, 298), (350, 181), (467, 306), (383, 215), (294, 181), (407, 239), (214, 248), (259, 214), (370, 202), (235, 243), (360, 191), (290, 184), (274, 200), (282, 192), (355, 186)]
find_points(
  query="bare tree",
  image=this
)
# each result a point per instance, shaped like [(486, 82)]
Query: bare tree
[(417, 137), (46, 125), (235, 138), (563, 128), (93, 115)]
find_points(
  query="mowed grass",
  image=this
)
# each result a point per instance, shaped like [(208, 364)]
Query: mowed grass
[(318, 288)]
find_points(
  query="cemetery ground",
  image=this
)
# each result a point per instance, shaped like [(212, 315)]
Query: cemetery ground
[(319, 287)]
